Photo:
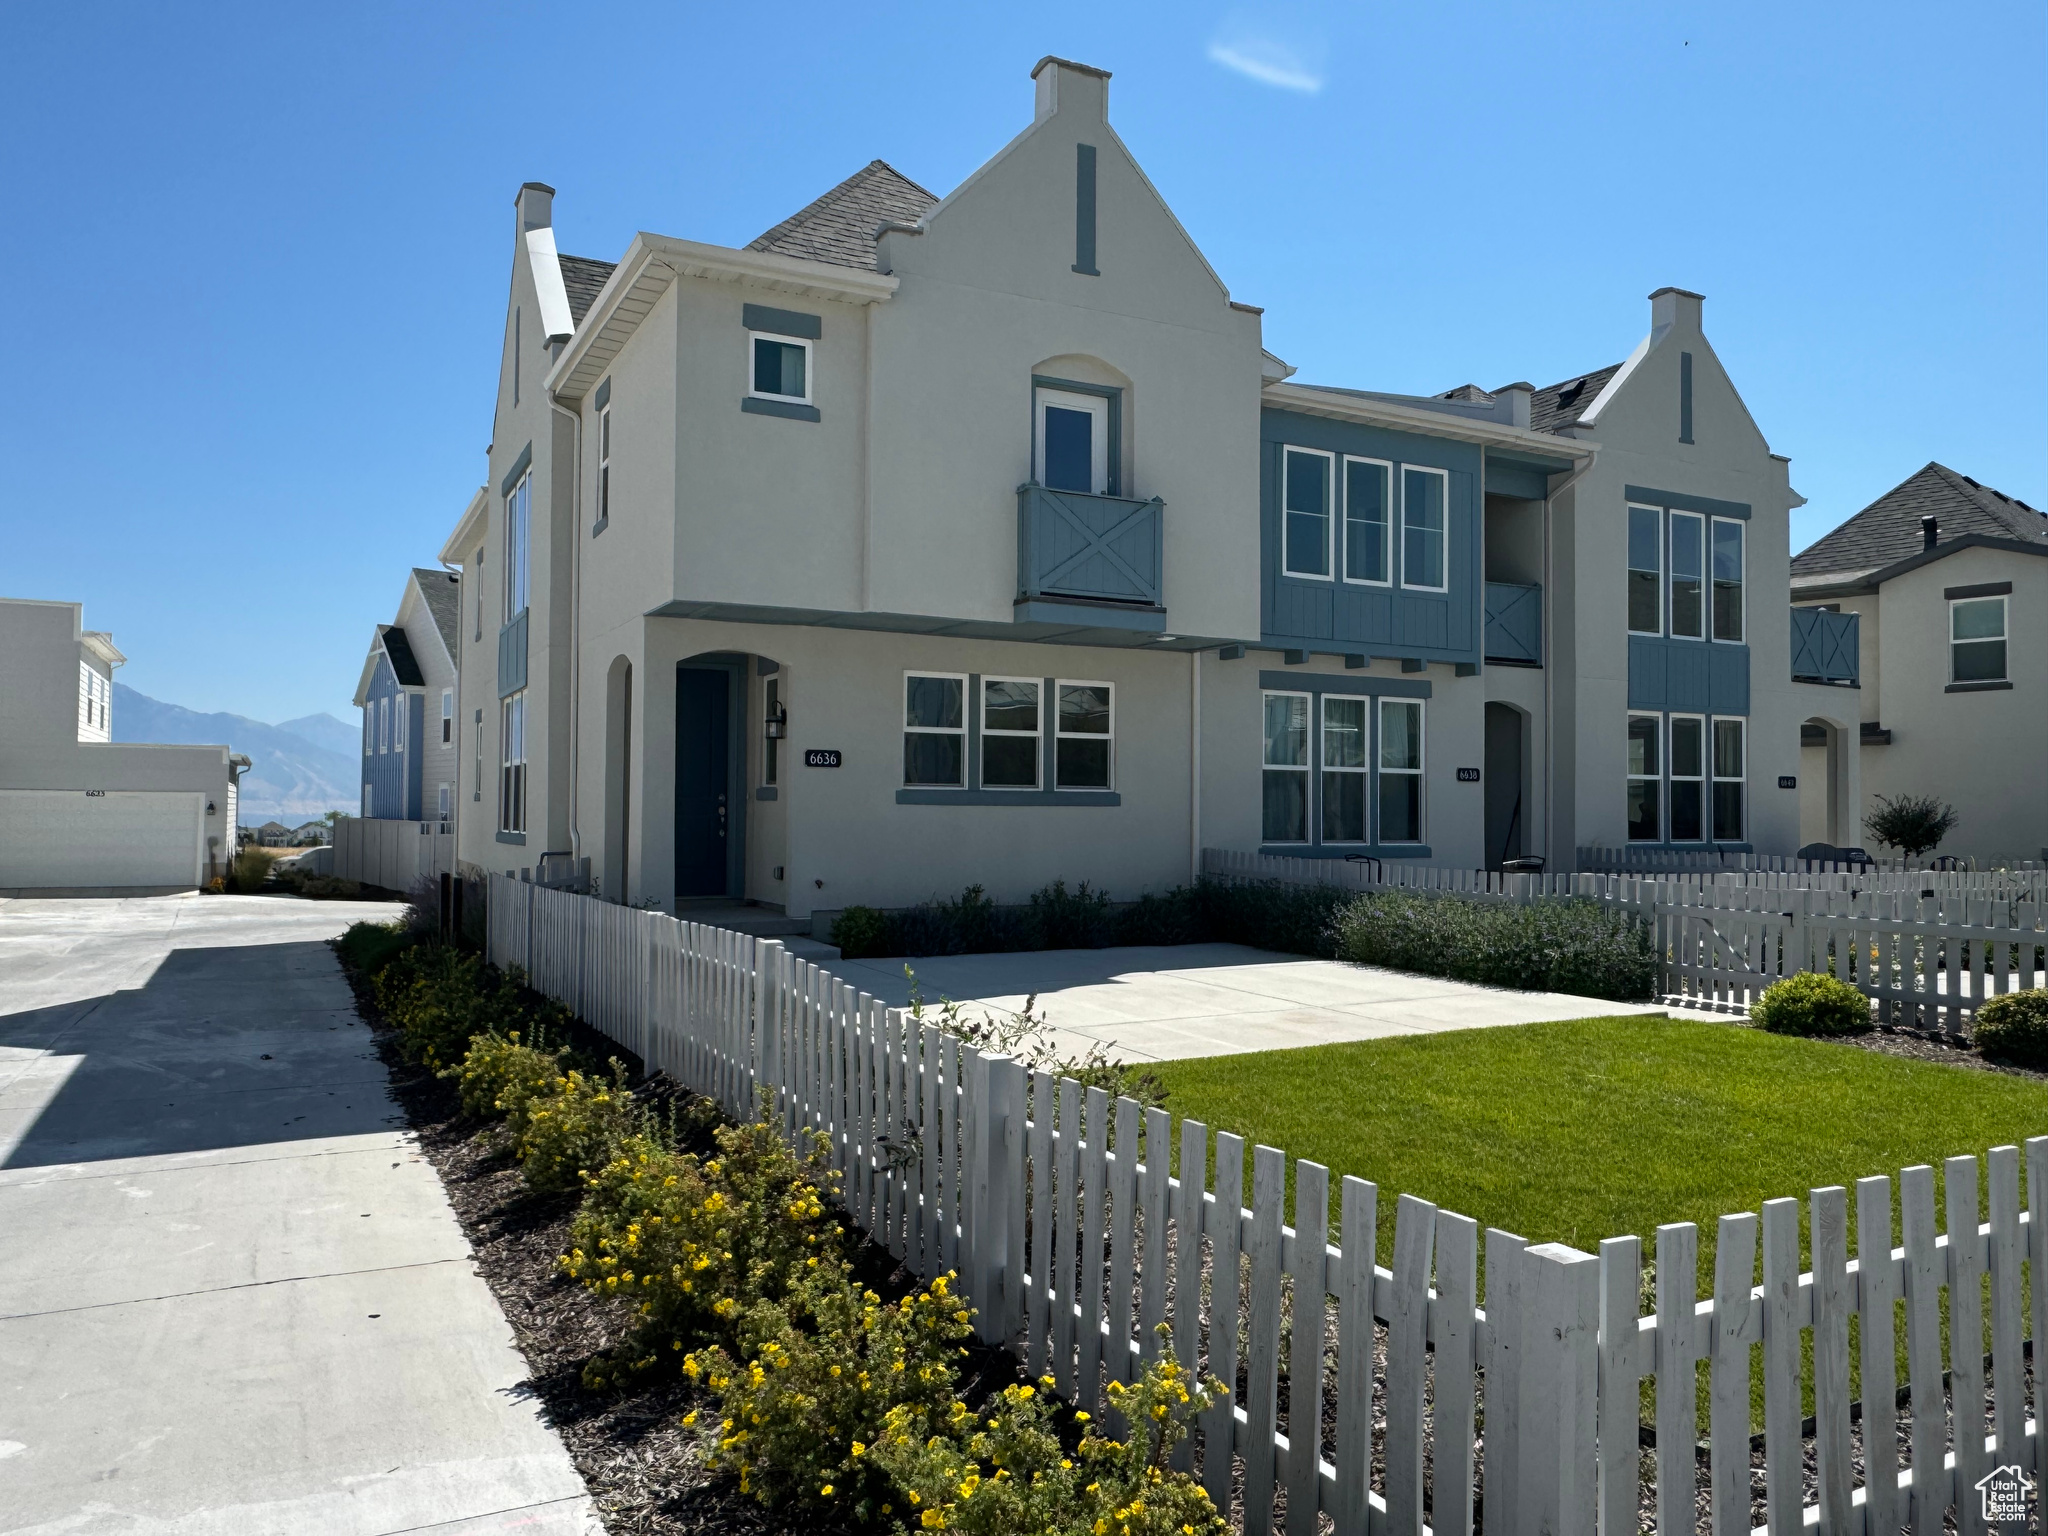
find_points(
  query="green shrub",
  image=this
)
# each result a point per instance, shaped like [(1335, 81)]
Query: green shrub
[(1570, 946), (1172, 917), (2013, 1028), (369, 947), (1057, 918), (1811, 1004), (439, 998), (250, 870), (861, 932), (573, 1124), (1292, 919), (500, 1074)]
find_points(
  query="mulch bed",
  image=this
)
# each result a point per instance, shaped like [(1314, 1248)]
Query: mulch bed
[(1921, 1045)]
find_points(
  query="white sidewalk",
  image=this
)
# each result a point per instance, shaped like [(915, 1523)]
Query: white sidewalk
[(233, 1298)]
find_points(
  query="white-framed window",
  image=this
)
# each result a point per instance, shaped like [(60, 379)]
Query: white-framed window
[(771, 753), (1645, 571), (1688, 576), (604, 464), (1368, 521), (1070, 440), (369, 730), (369, 802), (401, 720), (1976, 640), (1645, 779), (778, 367), (1347, 767), (444, 800), (1729, 773), (1727, 555), (1283, 816), (518, 546), (1688, 758), (384, 724), (1010, 726), (447, 716), (934, 730), (512, 763), (1400, 809), (479, 593), (477, 753), (1084, 735), (1425, 496), (1306, 531)]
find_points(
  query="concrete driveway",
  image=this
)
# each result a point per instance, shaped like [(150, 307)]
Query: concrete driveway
[(233, 1298), (1214, 999)]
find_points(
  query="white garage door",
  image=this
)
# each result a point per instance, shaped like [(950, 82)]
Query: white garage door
[(66, 839)]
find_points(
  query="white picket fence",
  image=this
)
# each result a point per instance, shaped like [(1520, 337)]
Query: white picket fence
[(1637, 858), (1059, 1209)]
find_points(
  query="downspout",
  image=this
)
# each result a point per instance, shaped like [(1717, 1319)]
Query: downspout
[(1195, 757), (575, 638), (1583, 468)]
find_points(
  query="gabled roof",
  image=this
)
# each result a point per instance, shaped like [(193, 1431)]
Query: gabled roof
[(584, 278), (840, 226), (441, 591), (1888, 530), (1558, 407), (404, 665)]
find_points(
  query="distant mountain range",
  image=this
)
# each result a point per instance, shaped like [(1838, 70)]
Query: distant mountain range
[(300, 769)]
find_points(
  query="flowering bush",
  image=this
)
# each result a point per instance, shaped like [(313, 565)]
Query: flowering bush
[(821, 1374), (1006, 1474), (573, 1124), (501, 1074)]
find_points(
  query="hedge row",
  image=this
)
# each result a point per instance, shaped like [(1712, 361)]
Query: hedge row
[(1553, 946)]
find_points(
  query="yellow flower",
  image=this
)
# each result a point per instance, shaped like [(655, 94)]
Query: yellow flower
[(1080, 1418), (933, 1520), (689, 1419), (826, 1491), (859, 1449)]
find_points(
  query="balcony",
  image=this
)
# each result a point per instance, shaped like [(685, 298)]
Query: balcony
[(1514, 624), (1104, 554), (1826, 647)]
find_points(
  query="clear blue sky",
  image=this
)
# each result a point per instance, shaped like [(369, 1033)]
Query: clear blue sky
[(254, 258)]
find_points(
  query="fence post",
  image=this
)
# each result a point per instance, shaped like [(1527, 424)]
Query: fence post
[(1006, 1176), (1556, 1464)]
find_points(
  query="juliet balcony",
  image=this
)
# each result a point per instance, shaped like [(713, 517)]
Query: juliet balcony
[(1090, 559), (1827, 647), (1514, 624)]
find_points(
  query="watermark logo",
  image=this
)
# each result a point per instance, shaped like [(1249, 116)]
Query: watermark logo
[(2006, 1493)]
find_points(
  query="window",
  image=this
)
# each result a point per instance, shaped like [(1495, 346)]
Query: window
[(771, 710), (1688, 587), (1688, 774), (1009, 733), (1368, 530), (401, 720), (1727, 579), (447, 716), (1423, 493), (384, 724), (512, 763), (1645, 570), (1645, 823), (1083, 735), (369, 729), (518, 548), (477, 753), (604, 465), (1400, 770), (781, 367), (445, 800), (1728, 776), (1284, 816), (369, 803), (515, 356), (1976, 640), (934, 731), (1070, 441), (1305, 538), (1345, 768), (479, 593)]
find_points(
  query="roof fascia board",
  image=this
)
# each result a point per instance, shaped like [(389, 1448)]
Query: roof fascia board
[(416, 602), (458, 540), (1847, 584), (98, 642), (1591, 414), (1408, 418), (369, 670)]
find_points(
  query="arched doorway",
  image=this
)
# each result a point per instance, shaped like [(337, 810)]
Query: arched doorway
[(1830, 797), (618, 781), (1507, 784)]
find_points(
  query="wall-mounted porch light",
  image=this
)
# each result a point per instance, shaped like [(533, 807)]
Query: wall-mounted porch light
[(777, 724)]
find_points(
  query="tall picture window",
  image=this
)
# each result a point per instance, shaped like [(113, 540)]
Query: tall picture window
[(384, 724), (478, 571), (1084, 736), (512, 763), (1727, 579), (1306, 531), (1645, 779), (401, 720), (1688, 576), (934, 730), (1976, 640), (1346, 768), (518, 546), (779, 367), (369, 729), (1645, 570), (477, 754), (1010, 754), (1688, 779), (1424, 494), (1284, 793), (1400, 770), (604, 465), (1728, 780), (447, 716), (1368, 525), (1071, 441)]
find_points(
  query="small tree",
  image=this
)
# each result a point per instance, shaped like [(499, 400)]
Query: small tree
[(1913, 824)]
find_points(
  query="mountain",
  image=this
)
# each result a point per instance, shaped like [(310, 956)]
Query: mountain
[(291, 779), (327, 733)]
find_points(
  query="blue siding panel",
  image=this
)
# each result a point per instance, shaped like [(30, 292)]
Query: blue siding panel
[(1689, 676)]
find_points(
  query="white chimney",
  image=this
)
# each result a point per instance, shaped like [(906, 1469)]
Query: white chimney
[(536, 208), (1675, 306), (1064, 86)]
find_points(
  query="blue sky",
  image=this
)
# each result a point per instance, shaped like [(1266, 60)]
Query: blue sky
[(254, 258)]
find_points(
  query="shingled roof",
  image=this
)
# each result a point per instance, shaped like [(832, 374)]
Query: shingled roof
[(404, 665), (1889, 528), (584, 277), (840, 226), (441, 591), (1558, 407)]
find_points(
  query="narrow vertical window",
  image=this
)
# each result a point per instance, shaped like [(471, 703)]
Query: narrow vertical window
[(1284, 812), (384, 725), (1728, 777), (512, 764), (1400, 771), (369, 729), (1070, 433), (401, 720), (447, 716), (515, 356), (1645, 780), (477, 752), (444, 798), (1346, 769), (1368, 529), (1423, 493), (1084, 210), (1688, 584), (771, 710), (369, 803), (518, 546), (1645, 570), (604, 465), (1305, 536), (934, 731), (1727, 579), (479, 568), (1976, 640), (1084, 736), (1010, 754), (1688, 779)]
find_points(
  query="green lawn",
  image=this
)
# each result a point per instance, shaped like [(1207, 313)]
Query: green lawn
[(1601, 1127)]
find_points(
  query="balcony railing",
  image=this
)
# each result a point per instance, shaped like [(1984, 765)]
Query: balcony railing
[(1514, 624), (1099, 549), (1826, 647)]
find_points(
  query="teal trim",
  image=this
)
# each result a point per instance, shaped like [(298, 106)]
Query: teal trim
[(786, 409), (1514, 623), (767, 792), (1690, 677), (1094, 548), (1978, 589), (1827, 647), (1230, 653), (1356, 663), (1685, 397), (1078, 613), (1975, 687), (1295, 658), (1679, 501), (1345, 850), (1114, 396), (604, 393), (1522, 480), (512, 648), (518, 838), (782, 322), (519, 467), (1041, 798), (1414, 664), (1321, 682), (1084, 210)]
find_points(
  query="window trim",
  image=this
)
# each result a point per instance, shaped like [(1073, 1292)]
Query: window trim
[(1443, 477), (1369, 716), (384, 725), (1629, 776), (1109, 786), (401, 718), (512, 770), (1630, 568), (1102, 450), (1741, 584), (808, 397), (1386, 528), (1329, 458), (1715, 778), (1420, 772), (1703, 778), (1037, 737), (519, 558), (369, 728), (905, 728), (1306, 768), (2003, 638), (604, 461), (444, 800), (1705, 578)]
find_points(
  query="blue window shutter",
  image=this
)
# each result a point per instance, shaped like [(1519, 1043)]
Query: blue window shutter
[(1084, 210)]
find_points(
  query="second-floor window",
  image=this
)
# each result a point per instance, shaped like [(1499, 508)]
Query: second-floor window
[(1976, 640), (604, 465), (779, 367), (384, 724), (401, 720), (1727, 579), (1305, 513), (1423, 494), (1688, 576), (518, 546), (1645, 571), (447, 716), (1368, 529), (1070, 441)]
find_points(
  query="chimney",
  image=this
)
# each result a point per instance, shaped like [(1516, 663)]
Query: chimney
[(1928, 526), (1064, 86), (1517, 398), (536, 208), (1675, 306)]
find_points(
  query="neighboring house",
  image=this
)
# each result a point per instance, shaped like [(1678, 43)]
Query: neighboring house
[(274, 834), (407, 695), (79, 812), (1940, 591), (929, 542), (313, 834)]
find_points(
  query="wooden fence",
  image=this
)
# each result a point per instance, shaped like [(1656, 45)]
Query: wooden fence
[(1383, 1396), (393, 855)]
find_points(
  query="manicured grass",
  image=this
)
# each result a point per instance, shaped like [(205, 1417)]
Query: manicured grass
[(1596, 1128)]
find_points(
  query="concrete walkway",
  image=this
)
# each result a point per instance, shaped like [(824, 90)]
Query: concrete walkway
[(233, 1298), (1214, 999)]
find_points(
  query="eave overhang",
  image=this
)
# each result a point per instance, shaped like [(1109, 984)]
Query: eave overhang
[(1518, 442), (1862, 583), (467, 527)]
